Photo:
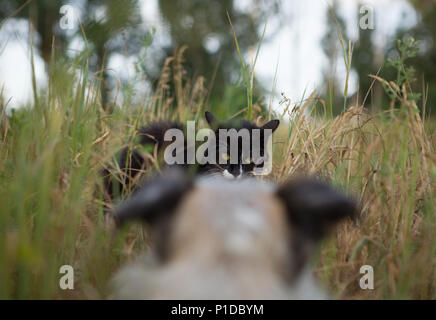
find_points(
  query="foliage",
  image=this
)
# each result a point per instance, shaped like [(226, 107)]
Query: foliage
[(197, 24), (407, 48), (51, 206), (51, 153)]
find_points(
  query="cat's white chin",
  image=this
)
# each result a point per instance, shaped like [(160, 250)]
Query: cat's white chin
[(228, 175)]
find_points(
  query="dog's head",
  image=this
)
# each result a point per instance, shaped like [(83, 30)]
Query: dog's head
[(215, 238)]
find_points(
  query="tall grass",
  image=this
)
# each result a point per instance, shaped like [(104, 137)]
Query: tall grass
[(51, 204), (247, 69), (387, 161), (51, 153)]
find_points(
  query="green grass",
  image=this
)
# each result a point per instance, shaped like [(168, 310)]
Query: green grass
[(51, 153), (51, 207), (247, 69)]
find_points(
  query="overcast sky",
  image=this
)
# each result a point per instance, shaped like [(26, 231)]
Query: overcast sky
[(296, 47)]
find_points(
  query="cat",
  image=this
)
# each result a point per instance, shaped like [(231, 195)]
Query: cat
[(132, 162), (246, 163)]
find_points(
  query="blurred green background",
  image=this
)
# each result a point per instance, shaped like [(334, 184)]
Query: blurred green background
[(130, 40)]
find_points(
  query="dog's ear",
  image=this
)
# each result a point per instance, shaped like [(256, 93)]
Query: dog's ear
[(211, 120), (272, 125), (156, 199), (314, 207)]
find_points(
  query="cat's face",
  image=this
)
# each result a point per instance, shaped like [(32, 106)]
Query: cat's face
[(244, 160)]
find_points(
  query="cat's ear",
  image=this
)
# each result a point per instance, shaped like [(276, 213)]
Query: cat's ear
[(313, 207), (211, 120), (155, 200), (272, 125)]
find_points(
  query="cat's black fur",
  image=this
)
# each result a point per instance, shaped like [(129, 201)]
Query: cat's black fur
[(245, 165), (132, 162)]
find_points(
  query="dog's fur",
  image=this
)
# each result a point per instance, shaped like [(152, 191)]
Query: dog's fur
[(220, 239)]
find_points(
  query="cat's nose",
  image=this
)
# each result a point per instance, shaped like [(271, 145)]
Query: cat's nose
[(236, 171)]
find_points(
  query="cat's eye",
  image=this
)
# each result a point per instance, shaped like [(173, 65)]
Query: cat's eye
[(225, 156)]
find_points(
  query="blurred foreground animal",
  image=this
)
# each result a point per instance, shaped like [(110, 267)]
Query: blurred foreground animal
[(218, 239)]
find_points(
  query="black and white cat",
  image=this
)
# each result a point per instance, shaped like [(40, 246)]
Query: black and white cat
[(246, 163), (132, 161)]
